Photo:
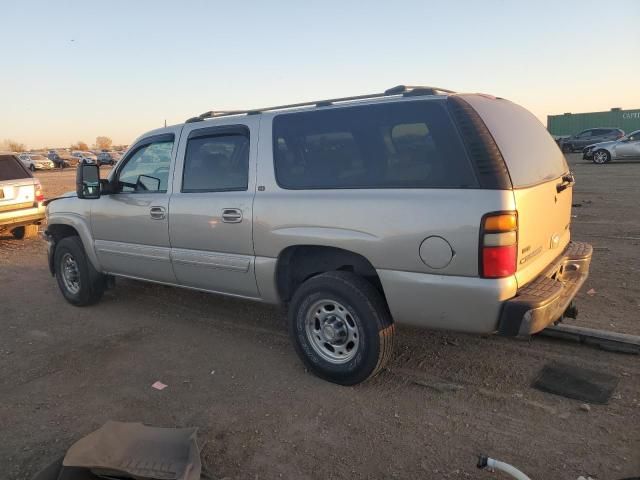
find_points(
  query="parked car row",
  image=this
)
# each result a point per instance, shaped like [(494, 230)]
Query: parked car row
[(62, 159)]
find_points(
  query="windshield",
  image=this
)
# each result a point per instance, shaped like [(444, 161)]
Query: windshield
[(37, 157)]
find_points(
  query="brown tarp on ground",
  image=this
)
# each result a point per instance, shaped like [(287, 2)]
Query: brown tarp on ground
[(133, 450)]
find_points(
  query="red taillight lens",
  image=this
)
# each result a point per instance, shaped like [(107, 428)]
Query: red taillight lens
[(39, 193), (498, 262), (499, 245)]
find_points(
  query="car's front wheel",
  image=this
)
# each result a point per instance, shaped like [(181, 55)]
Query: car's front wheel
[(32, 167), (78, 281), (341, 327), (601, 156)]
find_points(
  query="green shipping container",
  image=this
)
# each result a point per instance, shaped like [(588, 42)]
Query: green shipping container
[(572, 123)]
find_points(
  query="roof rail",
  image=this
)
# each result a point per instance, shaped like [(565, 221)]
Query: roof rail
[(397, 90)]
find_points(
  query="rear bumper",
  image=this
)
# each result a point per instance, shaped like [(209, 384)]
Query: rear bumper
[(20, 218), (545, 299)]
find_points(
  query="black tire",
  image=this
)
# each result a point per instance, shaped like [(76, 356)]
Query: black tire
[(92, 283), (368, 312), (32, 168), (566, 148), (18, 233)]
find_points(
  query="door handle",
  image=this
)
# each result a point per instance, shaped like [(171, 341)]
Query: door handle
[(232, 215), (158, 213)]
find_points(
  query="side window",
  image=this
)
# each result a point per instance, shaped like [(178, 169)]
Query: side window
[(585, 134), (216, 163), (400, 145), (147, 170)]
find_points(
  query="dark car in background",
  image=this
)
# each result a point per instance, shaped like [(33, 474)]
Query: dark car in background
[(108, 158), (589, 137), (62, 159)]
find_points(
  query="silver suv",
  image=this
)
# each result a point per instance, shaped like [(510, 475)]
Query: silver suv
[(415, 206)]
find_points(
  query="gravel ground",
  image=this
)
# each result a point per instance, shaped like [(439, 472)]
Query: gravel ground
[(231, 372)]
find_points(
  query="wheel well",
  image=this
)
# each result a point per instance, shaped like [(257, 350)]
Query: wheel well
[(301, 262), (60, 231)]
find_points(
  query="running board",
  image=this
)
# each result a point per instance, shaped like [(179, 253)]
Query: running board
[(611, 341)]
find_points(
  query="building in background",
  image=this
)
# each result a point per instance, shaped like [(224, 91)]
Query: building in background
[(572, 123)]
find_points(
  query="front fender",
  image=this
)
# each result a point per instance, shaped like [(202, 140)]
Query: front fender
[(81, 225)]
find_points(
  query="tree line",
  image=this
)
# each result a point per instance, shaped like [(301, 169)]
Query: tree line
[(101, 143)]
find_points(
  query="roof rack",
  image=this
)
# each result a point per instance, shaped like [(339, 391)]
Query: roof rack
[(404, 90)]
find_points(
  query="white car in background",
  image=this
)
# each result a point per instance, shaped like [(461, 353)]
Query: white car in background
[(88, 157), (36, 161)]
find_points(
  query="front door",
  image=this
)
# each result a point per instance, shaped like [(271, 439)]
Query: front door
[(131, 225), (212, 208), (630, 147)]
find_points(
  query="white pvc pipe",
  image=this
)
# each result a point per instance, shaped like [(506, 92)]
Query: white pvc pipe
[(506, 468)]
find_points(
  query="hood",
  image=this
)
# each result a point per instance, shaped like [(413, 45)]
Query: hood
[(70, 194)]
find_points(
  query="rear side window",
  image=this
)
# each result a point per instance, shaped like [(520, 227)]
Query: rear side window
[(10, 169), (603, 131), (395, 145), (217, 163)]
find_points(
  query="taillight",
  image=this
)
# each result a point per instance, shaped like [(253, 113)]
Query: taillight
[(39, 193), (499, 245)]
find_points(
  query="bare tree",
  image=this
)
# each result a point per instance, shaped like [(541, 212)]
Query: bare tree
[(14, 146), (80, 146), (103, 143)]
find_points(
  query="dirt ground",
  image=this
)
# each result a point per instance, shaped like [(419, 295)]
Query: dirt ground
[(232, 372)]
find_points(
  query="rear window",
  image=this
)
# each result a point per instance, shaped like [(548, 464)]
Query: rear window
[(395, 145), (10, 168), (531, 154)]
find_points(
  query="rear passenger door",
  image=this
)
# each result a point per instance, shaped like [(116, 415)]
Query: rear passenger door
[(584, 139), (212, 207)]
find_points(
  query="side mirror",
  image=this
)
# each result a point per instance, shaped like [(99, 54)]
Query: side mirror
[(88, 180)]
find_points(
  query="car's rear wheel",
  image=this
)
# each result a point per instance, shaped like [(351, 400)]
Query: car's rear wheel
[(601, 156), (341, 327), (78, 281), (567, 148), (28, 231), (32, 167)]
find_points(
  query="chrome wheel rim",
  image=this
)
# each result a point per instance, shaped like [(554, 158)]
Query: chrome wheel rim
[(600, 157), (332, 331), (70, 273)]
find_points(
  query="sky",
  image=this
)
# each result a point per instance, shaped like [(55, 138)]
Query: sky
[(73, 70)]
